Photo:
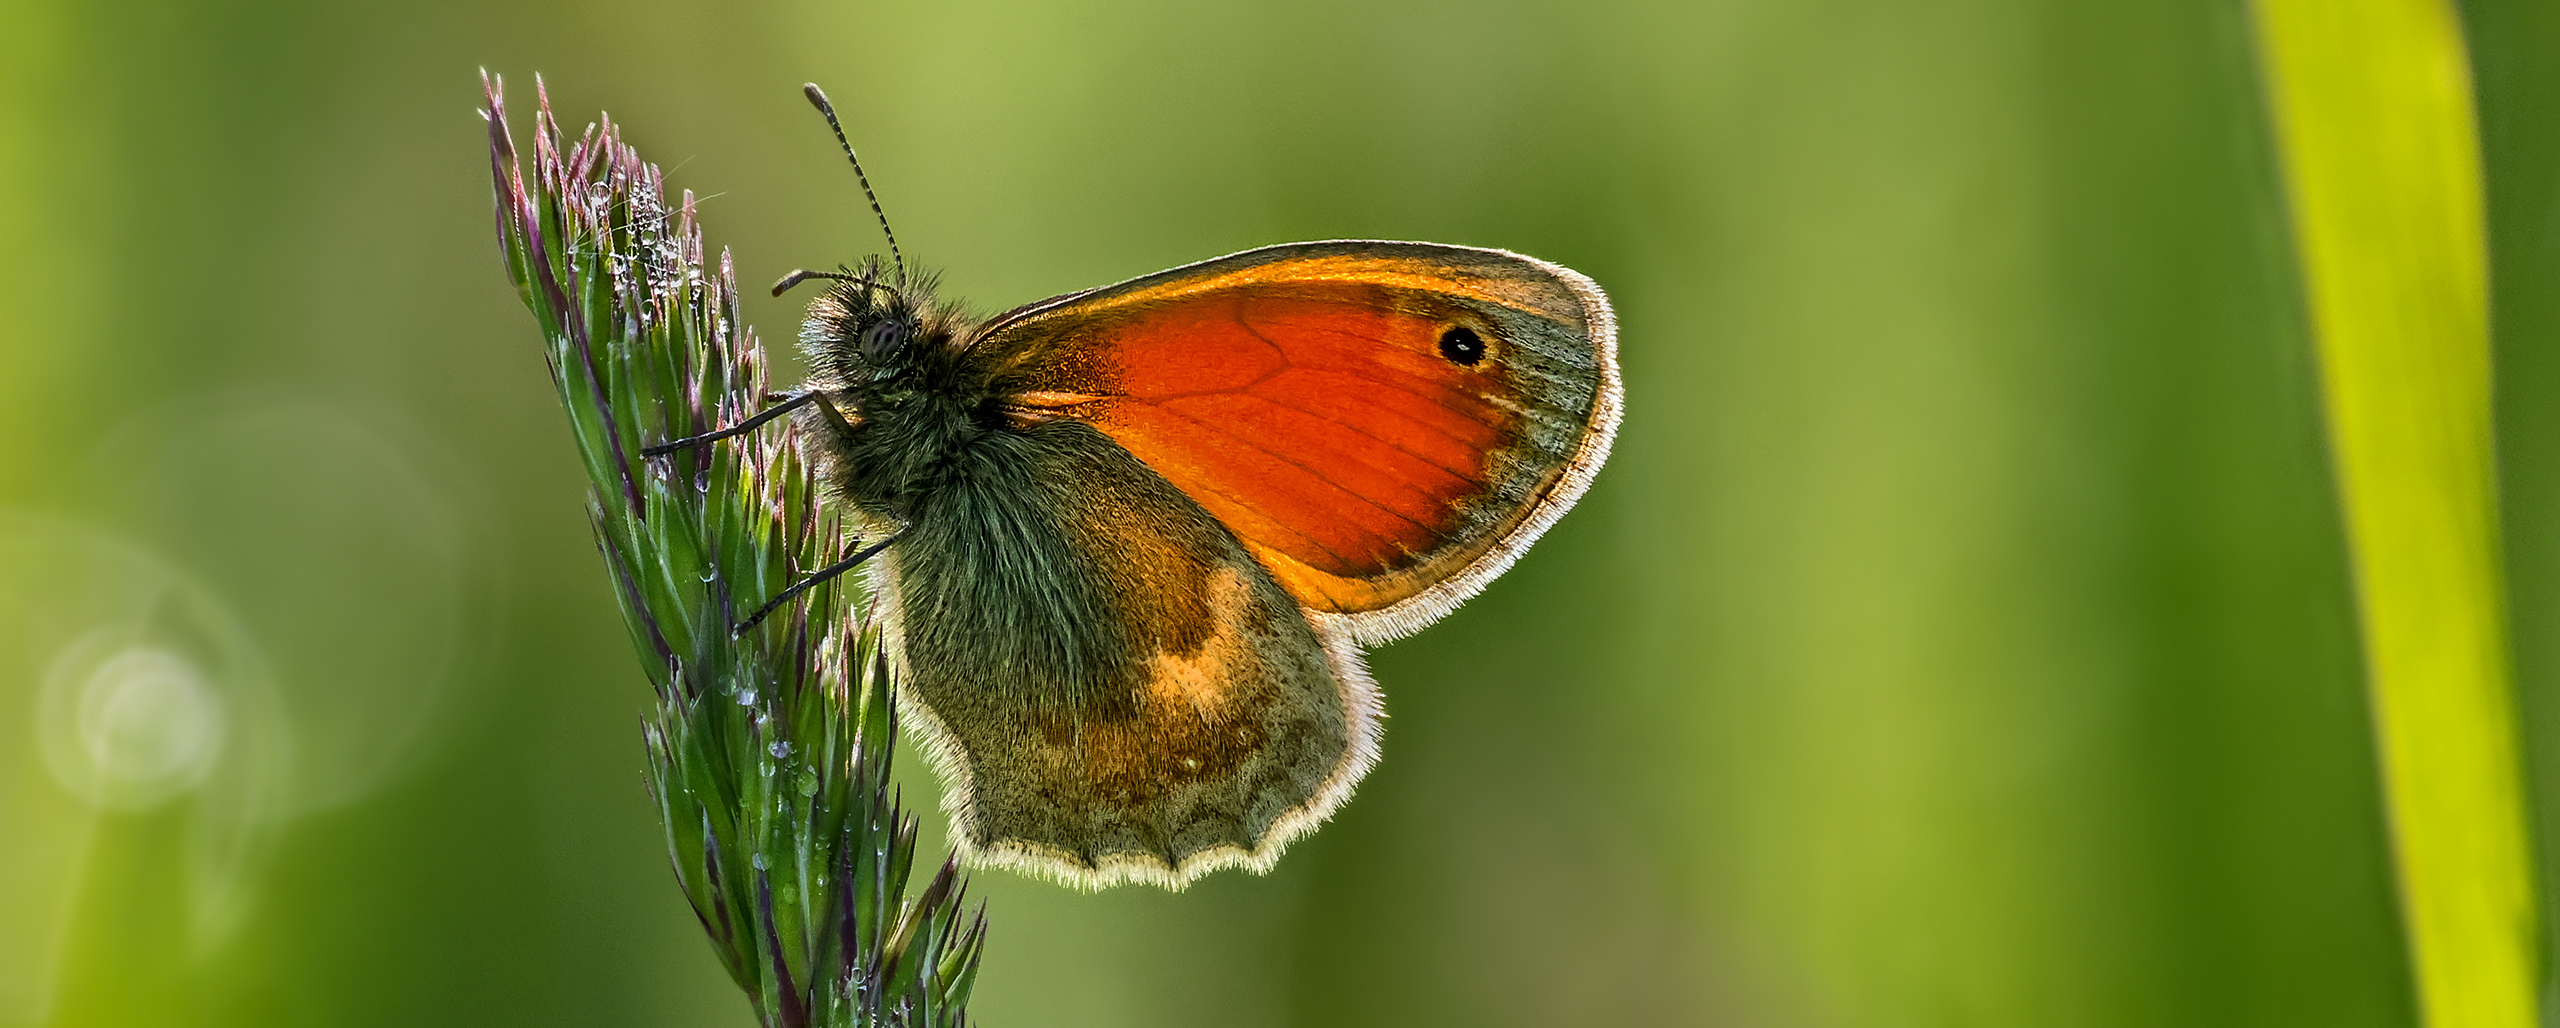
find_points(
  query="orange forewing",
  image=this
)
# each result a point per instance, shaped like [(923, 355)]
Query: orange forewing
[(1312, 423), (1300, 395)]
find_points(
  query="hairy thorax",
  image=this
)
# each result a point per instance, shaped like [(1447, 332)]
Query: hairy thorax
[(906, 443)]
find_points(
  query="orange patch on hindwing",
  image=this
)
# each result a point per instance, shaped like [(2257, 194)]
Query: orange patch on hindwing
[(1201, 678)]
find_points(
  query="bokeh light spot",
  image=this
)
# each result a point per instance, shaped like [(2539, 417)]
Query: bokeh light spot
[(149, 724)]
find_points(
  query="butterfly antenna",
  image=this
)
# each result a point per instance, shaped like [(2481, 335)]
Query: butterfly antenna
[(818, 98)]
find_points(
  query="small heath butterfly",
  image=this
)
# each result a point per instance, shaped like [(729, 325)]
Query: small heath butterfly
[(1133, 539)]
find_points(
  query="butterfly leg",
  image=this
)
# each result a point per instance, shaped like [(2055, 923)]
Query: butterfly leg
[(823, 575), (741, 428), (833, 412)]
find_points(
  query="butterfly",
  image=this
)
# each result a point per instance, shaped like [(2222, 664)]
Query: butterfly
[(1133, 539)]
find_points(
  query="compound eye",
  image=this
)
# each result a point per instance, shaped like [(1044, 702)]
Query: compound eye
[(884, 339)]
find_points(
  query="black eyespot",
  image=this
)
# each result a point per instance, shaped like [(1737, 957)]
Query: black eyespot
[(1462, 345)]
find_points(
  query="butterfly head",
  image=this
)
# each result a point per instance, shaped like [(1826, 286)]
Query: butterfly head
[(876, 325), (888, 359)]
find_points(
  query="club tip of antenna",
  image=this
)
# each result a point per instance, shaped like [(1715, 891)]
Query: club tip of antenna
[(816, 95)]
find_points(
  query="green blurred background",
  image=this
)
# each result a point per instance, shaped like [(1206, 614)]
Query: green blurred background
[(1959, 636)]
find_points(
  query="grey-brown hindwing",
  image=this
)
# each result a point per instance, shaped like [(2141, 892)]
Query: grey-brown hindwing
[(1110, 680)]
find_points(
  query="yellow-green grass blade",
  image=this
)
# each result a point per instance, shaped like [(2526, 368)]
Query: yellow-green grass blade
[(2372, 106)]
